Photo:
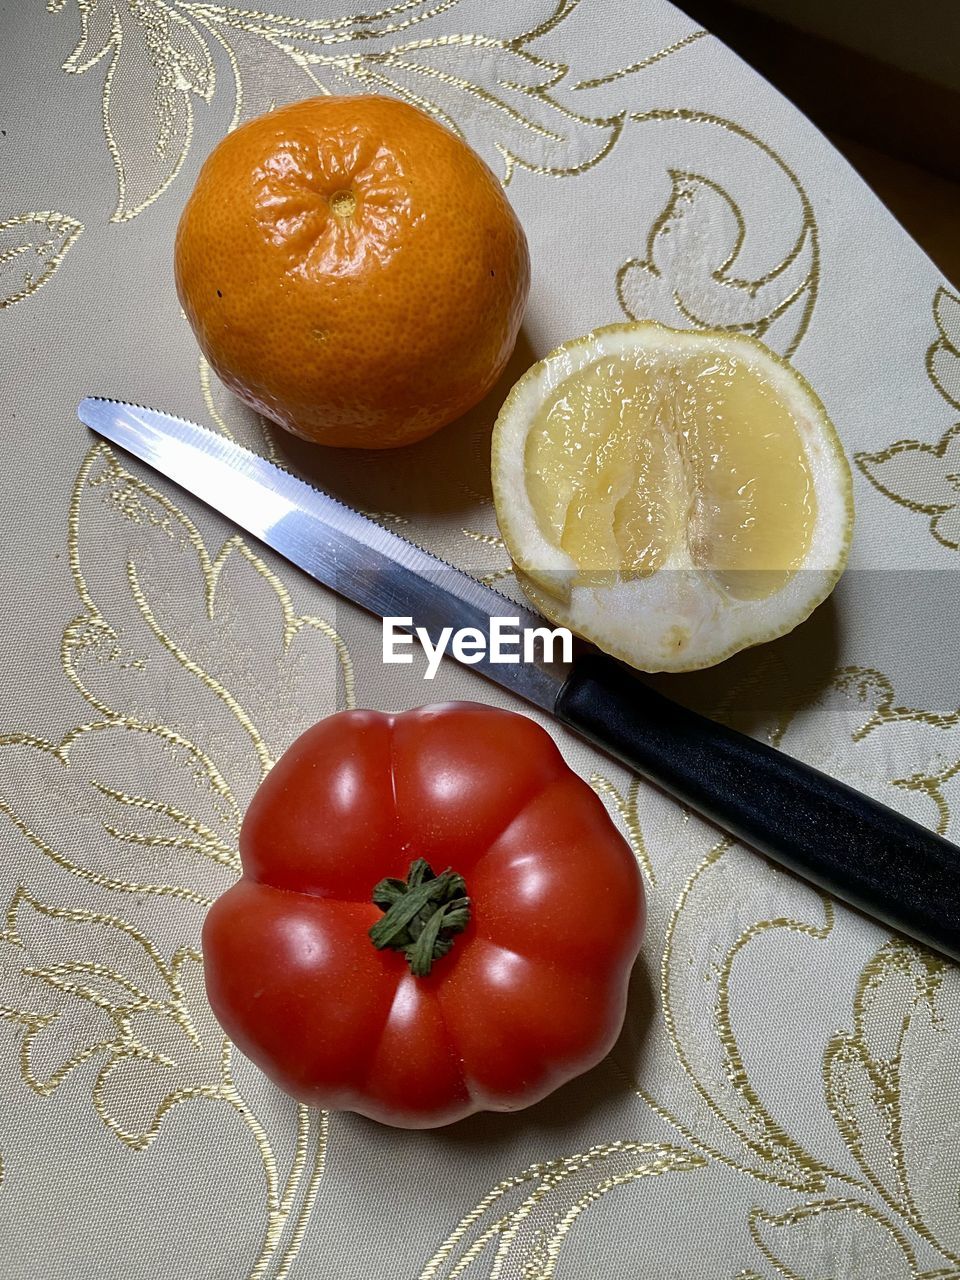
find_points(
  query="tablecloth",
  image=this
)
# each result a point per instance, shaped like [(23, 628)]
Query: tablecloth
[(785, 1099)]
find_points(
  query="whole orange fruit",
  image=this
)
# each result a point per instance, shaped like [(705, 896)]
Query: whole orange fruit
[(352, 270)]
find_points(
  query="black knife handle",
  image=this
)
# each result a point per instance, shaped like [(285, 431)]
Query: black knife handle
[(852, 846)]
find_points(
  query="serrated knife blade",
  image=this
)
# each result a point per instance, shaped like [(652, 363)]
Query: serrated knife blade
[(335, 545)]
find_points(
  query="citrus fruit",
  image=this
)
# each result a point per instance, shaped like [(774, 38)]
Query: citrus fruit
[(352, 270), (673, 496)]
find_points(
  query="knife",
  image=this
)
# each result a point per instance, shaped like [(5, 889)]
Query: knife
[(839, 839)]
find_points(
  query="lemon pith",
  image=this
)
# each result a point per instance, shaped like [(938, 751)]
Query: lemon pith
[(672, 495)]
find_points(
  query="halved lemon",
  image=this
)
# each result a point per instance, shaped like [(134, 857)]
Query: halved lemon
[(671, 495)]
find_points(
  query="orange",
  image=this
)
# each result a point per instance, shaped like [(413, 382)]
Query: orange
[(352, 270)]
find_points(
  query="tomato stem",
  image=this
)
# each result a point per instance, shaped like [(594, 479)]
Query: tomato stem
[(422, 914)]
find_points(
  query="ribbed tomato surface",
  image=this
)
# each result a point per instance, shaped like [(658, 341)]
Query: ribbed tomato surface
[(530, 993)]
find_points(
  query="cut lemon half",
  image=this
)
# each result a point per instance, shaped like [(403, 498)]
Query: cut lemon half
[(671, 495)]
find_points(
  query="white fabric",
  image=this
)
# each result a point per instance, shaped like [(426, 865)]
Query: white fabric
[(785, 1099)]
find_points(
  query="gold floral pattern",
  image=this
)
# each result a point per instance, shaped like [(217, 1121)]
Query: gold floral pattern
[(32, 247), (923, 478), (126, 657), (517, 1230), (689, 272), (943, 355), (905, 1009), (690, 260), (926, 477), (143, 1026), (622, 72), (147, 1024), (843, 1238), (493, 90), (135, 789), (155, 64)]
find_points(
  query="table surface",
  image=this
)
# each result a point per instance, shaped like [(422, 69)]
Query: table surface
[(784, 1100)]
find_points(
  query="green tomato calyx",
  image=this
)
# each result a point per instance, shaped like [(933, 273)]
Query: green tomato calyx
[(422, 914)]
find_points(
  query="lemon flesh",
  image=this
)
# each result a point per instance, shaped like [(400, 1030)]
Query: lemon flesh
[(641, 455), (674, 496)]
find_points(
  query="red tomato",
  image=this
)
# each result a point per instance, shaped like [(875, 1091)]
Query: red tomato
[(529, 940)]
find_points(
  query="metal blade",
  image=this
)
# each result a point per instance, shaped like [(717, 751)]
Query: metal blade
[(334, 544)]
